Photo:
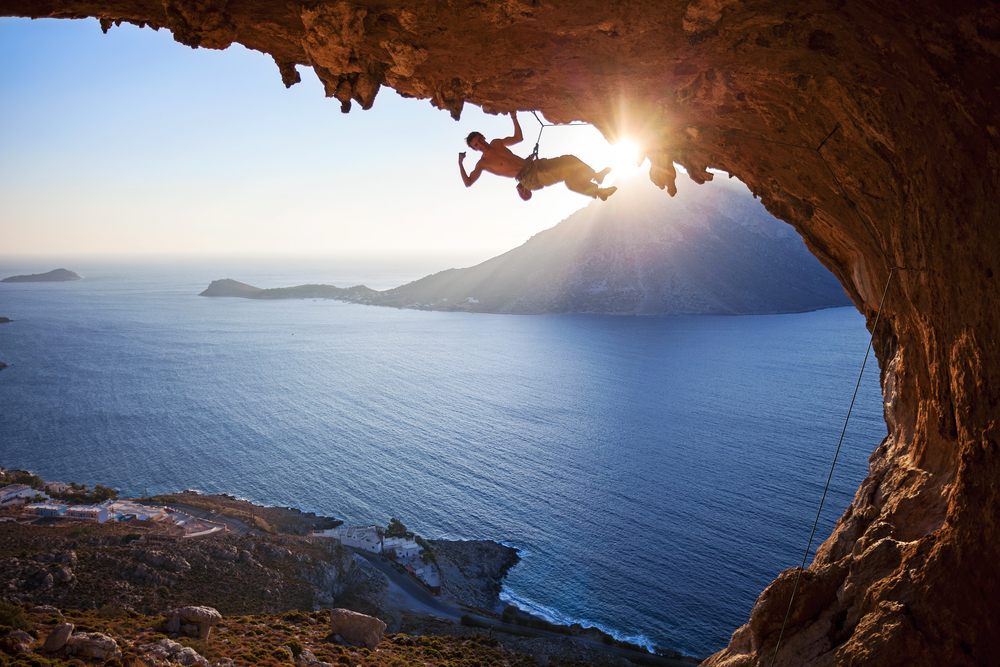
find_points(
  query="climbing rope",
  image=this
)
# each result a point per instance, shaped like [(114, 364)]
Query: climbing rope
[(541, 127), (836, 455)]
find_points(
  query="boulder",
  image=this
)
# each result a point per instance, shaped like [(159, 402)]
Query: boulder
[(57, 638), (356, 629), (166, 561), (193, 621), (19, 641), (62, 574), (46, 609), (93, 645), (172, 651)]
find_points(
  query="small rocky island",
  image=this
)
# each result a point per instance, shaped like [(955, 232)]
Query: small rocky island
[(54, 276)]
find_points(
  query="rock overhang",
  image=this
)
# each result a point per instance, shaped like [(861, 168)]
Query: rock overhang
[(870, 128)]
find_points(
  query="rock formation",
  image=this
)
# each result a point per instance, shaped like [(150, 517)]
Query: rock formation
[(472, 571), (356, 629), (93, 645), (57, 638), (192, 621), (870, 127)]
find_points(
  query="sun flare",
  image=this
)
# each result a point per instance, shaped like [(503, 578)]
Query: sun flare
[(623, 156)]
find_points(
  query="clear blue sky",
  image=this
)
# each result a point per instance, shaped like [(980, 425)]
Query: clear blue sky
[(131, 144)]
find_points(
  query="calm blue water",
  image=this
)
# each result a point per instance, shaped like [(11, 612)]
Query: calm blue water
[(657, 473)]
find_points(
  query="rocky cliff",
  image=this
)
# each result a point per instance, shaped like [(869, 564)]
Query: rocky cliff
[(870, 127), (472, 571)]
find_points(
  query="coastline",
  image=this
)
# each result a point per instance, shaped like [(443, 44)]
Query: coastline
[(274, 542)]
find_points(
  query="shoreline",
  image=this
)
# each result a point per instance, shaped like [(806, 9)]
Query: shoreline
[(476, 568)]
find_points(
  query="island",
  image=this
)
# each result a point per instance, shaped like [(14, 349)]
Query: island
[(5, 320), (54, 276), (714, 251)]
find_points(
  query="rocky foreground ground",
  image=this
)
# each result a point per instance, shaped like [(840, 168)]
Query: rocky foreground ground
[(115, 584), (46, 636)]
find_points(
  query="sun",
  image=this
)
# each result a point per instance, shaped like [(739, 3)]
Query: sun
[(623, 156)]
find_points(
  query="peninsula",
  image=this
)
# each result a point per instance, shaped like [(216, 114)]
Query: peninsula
[(68, 551), (713, 250), (54, 276)]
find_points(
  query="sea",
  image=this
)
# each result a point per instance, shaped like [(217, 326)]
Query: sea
[(655, 473)]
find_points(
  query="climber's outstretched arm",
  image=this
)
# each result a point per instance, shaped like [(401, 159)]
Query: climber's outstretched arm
[(477, 171), (516, 139)]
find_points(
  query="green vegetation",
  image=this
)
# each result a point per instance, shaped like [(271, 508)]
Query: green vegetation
[(112, 610), (396, 529), (34, 481), (295, 646), (12, 618), (202, 648)]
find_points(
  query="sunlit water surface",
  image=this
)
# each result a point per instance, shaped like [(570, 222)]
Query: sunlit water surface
[(656, 473)]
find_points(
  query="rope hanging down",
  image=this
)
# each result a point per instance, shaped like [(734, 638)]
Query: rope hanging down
[(832, 466)]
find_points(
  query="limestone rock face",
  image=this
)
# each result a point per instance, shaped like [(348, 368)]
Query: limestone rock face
[(870, 127), (356, 629), (192, 621), (93, 645)]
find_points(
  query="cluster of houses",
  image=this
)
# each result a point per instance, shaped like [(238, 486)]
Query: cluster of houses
[(368, 539), (16, 494), (44, 505), (405, 549)]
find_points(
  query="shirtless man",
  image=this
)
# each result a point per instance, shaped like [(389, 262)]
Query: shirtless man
[(532, 174)]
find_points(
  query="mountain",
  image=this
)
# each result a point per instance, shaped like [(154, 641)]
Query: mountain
[(55, 276), (711, 250)]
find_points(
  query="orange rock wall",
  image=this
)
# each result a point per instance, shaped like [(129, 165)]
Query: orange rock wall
[(882, 145)]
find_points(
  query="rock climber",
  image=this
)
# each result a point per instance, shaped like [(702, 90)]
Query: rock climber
[(532, 173)]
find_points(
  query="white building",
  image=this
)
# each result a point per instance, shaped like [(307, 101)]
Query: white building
[(16, 493), (87, 512), (360, 537), (119, 510), (46, 509), (55, 487), (402, 547)]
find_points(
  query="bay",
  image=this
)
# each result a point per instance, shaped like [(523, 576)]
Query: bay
[(656, 473)]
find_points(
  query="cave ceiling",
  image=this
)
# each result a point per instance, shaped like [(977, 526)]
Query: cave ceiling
[(872, 128)]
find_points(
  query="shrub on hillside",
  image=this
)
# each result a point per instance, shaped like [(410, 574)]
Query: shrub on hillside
[(12, 616)]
